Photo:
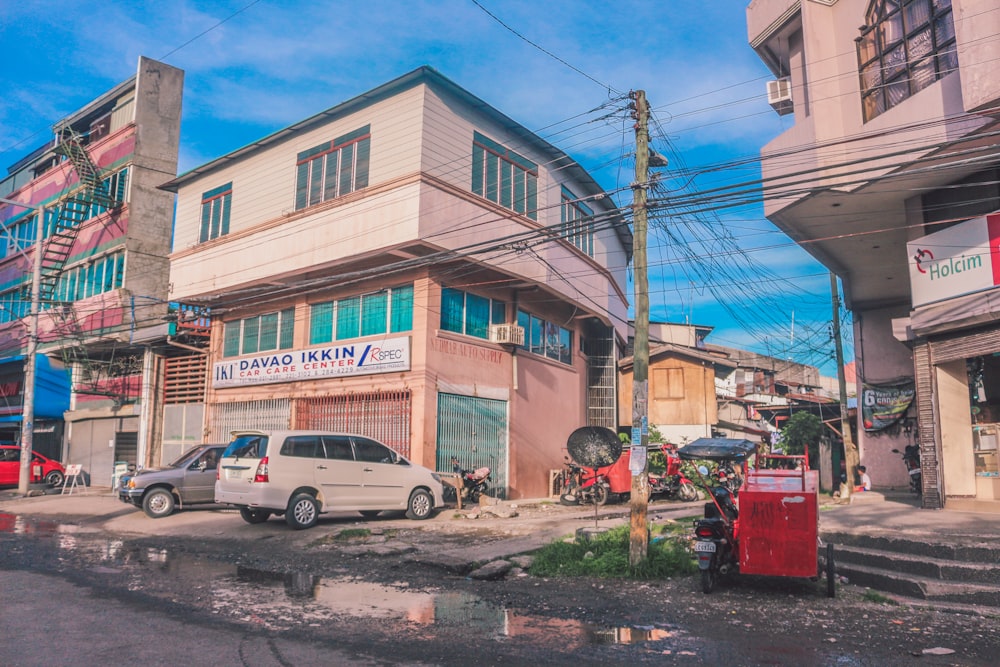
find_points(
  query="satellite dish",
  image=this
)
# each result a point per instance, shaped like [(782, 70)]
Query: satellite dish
[(594, 446)]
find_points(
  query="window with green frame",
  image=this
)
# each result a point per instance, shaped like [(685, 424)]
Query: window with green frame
[(577, 222), (215, 205), (545, 338), (502, 176), (261, 333), (470, 314), (386, 311), (333, 169)]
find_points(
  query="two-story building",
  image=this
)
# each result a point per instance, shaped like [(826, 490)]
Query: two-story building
[(415, 266), (91, 194), (888, 176)]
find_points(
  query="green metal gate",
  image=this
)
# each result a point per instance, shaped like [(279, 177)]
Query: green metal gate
[(475, 431)]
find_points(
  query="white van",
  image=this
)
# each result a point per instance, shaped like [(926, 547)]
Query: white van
[(302, 474)]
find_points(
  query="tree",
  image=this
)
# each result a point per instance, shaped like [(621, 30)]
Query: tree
[(802, 430)]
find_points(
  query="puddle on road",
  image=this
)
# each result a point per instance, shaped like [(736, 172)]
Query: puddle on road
[(281, 600)]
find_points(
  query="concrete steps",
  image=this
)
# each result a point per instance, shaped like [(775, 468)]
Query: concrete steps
[(942, 572)]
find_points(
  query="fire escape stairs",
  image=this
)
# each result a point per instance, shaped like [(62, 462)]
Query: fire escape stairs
[(56, 250)]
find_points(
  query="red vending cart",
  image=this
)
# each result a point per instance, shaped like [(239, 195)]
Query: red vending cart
[(779, 522)]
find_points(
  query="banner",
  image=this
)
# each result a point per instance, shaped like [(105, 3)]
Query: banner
[(884, 405)]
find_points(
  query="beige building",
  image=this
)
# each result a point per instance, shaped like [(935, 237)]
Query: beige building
[(888, 175), (415, 266)]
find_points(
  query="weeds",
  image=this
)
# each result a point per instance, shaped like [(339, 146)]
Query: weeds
[(878, 598), (606, 556)]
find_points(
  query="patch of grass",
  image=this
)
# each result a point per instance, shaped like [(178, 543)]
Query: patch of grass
[(606, 556), (878, 598), (352, 534)]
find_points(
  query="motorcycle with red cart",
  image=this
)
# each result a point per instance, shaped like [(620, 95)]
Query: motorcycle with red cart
[(770, 528)]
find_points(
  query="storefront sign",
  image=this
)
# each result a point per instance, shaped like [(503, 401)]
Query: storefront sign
[(884, 405), (383, 356), (955, 261)]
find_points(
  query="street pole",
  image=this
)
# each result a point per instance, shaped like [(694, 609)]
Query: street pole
[(851, 458), (639, 503), (28, 404)]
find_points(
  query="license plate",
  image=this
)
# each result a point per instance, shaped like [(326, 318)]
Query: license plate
[(705, 546), (233, 474)]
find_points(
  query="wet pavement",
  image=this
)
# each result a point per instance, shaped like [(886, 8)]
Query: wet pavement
[(207, 560)]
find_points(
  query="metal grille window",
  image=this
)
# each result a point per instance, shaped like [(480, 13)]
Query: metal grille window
[(215, 205), (333, 169), (264, 415), (382, 415), (502, 176), (270, 331), (905, 46), (577, 223), (470, 314), (545, 338), (389, 310)]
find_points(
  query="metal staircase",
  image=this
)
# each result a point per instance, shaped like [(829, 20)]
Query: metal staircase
[(61, 232)]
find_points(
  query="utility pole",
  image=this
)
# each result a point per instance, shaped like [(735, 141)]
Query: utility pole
[(851, 458), (28, 403), (639, 503)]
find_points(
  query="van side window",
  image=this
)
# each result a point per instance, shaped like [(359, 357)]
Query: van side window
[(373, 452), (338, 447), (302, 446)]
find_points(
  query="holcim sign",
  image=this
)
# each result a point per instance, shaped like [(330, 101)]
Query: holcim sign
[(392, 354), (955, 261)]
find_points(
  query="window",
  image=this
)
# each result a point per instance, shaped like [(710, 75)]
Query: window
[(545, 338), (301, 446), (905, 46), (370, 451), (333, 169), (502, 176), (668, 383), (215, 205), (15, 304), (470, 314), (21, 234), (97, 276), (389, 310), (577, 223), (271, 331), (338, 447)]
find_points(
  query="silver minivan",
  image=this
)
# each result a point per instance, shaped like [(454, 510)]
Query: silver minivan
[(301, 474)]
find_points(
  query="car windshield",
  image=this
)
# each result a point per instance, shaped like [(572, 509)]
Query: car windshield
[(247, 446), (179, 462)]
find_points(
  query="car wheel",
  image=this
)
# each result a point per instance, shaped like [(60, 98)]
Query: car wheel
[(370, 514), (158, 503), (254, 516), (54, 478), (420, 505), (302, 512)]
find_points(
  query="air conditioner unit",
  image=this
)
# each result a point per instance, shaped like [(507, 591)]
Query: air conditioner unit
[(506, 334), (779, 95)]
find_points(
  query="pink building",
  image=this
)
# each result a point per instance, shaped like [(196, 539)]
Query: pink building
[(887, 173), (415, 266)]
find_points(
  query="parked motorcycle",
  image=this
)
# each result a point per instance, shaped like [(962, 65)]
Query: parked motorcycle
[(727, 475), (672, 486), (911, 458), (715, 538), (475, 483), (581, 484)]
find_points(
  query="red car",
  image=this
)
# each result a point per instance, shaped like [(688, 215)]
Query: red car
[(42, 468)]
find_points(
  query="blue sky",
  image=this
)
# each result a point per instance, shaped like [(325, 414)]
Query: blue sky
[(271, 63)]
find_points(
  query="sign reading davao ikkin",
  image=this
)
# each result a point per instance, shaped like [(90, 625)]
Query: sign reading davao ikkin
[(961, 259), (384, 356)]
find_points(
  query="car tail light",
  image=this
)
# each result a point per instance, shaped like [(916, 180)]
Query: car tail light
[(261, 475)]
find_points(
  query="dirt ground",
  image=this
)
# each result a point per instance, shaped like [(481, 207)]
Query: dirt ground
[(370, 587)]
